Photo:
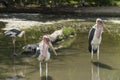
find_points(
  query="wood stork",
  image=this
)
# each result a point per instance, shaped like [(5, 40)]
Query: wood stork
[(44, 55), (14, 33), (95, 37), (54, 36)]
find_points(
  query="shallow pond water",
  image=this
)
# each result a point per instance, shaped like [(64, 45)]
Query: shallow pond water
[(72, 62)]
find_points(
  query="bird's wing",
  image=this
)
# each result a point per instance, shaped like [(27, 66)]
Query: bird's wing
[(90, 38)]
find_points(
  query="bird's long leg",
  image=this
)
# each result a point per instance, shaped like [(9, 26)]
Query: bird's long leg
[(98, 53), (46, 70), (24, 38), (92, 53), (40, 70), (25, 69), (14, 57), (98, 71), (14, 51), (92, 75)]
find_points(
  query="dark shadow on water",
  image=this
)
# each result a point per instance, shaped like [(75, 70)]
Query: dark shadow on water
[(102, 65), (19, 78), (13, 78), (59, 57), (48, 78)]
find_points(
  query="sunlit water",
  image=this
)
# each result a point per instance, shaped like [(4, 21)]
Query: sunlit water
[(72, 63), (24, 21)]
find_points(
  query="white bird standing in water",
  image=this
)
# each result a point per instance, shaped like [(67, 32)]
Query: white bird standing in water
[(44, 55), (14, 33), (95, 37)]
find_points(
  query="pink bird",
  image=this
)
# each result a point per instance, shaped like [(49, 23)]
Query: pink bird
[(44, 55)]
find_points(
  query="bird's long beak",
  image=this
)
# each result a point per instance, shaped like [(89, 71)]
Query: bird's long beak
[(106, 28), (50, 44)]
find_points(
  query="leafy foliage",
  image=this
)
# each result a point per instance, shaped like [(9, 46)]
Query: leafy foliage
[(59, 3), (68, 31)]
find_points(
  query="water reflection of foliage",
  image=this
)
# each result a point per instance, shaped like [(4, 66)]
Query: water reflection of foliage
[(34, 35), (114, 36), (68, 42), (68, 31)]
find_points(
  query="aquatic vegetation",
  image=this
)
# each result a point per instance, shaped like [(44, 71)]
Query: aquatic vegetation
[(75, 34), (67, 31), (67, 43)]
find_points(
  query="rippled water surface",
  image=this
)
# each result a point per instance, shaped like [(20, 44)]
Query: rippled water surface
[(73, 62)]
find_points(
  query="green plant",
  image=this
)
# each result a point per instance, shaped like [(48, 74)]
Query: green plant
[(67, 31)]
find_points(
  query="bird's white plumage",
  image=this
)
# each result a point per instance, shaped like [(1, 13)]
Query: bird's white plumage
[(10, 33), (95, 37), (55, 34), (96, 40), (13, 32), (21, 34), (42, 57), (44, 53)]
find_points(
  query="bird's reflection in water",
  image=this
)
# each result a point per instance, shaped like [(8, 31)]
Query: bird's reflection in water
[(48, 78), (95, 71)]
